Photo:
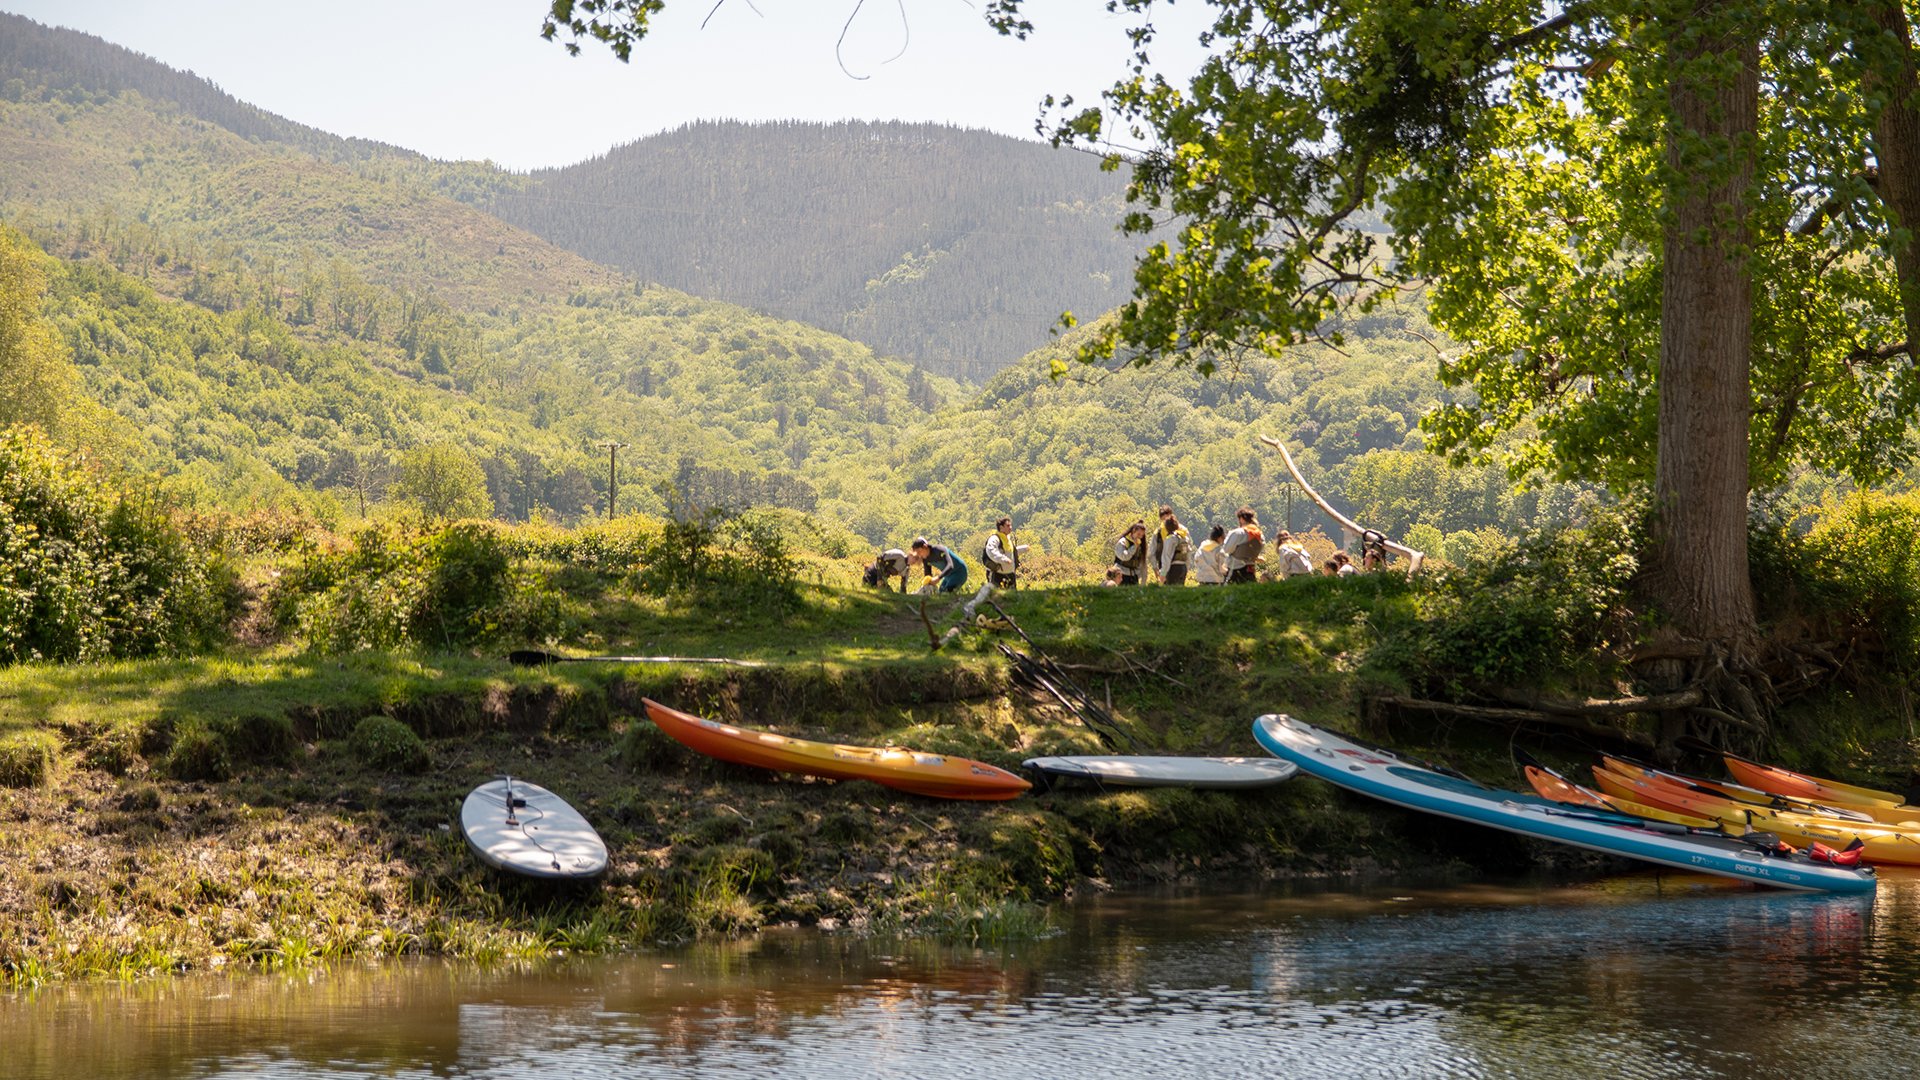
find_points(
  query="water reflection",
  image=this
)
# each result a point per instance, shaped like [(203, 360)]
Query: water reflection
[(1637, 976)]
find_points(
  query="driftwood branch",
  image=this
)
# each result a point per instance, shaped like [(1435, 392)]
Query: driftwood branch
[(1521, 716), (1678, 699), (1414, 558)]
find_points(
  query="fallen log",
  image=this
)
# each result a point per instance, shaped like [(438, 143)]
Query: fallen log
[(1518, 716)]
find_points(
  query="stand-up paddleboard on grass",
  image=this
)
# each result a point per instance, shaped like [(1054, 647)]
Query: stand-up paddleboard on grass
[(523, 828), (1218, 773), (1378, 773)]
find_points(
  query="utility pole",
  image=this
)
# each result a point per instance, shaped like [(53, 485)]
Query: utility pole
[(613, 477)]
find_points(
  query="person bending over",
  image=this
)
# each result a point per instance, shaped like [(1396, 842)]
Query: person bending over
[(890, 563), (938, 560)]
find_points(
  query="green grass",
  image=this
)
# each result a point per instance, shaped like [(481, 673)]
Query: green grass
[(216, 811)]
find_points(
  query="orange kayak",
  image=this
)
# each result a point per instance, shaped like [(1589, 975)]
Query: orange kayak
[(908, 770), (1783, 782), (1880, 843), (1561, 790), (1666, 797), (1700, 787)]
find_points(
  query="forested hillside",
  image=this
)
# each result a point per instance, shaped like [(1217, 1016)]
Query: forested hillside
[(276, 315), (1073, 461), (956, 249), (76, 67), (327, 390)]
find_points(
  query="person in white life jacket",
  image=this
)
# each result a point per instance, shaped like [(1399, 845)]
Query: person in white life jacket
[(1243, 546), (1001, 556), (888, 564), (1130, 553), (1172, 549), (939, 559), (1210, 562), (1294, 560)]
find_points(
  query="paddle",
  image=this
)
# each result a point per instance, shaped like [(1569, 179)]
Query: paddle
[(537, 658)]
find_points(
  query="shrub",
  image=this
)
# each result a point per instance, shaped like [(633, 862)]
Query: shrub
[(1859, 567), (89, 571), (395, 584), (198, 754), (1523, 610), (389, 745), (468, 580), (722, 560), (26, 758)]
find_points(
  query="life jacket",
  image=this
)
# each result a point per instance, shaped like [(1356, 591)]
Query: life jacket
[(1008, 547), (1182, 545), (1251, 547), (1294, 560)]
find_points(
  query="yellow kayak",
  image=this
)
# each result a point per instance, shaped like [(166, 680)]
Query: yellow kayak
[(1882, 843)]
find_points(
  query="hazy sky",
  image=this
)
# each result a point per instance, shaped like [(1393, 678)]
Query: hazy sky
[(473, 79)]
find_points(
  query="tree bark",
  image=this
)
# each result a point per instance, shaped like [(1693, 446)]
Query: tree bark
[(1706, 329), (1896, 150)]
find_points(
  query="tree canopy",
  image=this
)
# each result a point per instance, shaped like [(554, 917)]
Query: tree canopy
[(1671, 237)]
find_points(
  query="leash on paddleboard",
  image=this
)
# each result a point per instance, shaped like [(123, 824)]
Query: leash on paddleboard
[(514, 822)]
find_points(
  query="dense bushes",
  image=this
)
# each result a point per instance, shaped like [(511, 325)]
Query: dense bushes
[(1532, 609), (1856, 571), (89, 571), (397, 584)]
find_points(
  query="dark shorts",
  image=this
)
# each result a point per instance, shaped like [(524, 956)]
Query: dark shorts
[(1176, 574), (1242, 576), (1003, 581), (1129, 579)]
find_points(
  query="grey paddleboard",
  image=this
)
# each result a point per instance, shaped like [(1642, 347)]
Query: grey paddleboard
[(538, 834), (1193, 772)]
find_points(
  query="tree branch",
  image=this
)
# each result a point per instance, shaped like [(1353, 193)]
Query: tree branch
[(1520, 716), (1678, 699)]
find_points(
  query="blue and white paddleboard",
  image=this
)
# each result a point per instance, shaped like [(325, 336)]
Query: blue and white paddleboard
[(1214, 773), (524, 828), (1383, 776)]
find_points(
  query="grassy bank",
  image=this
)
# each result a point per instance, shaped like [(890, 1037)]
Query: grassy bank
[(278, 807)]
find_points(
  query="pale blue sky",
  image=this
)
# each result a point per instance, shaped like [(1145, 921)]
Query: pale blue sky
[(473, 79)]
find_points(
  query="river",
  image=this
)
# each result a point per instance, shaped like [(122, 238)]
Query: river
[(1635, 976)]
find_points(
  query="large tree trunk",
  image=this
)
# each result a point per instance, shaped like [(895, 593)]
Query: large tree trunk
[(1896, 149), (1706, 329)]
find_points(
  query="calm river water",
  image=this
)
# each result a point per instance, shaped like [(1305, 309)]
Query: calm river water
[(1637, 976)]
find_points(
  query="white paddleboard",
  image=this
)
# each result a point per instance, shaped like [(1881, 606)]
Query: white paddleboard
[(1192, 772), (538, 835)]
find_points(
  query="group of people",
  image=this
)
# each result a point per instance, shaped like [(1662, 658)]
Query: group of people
[(1165, 553), (1226, 557), (1001, 554)]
